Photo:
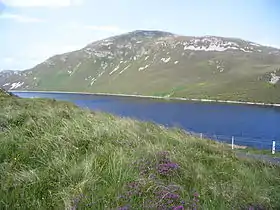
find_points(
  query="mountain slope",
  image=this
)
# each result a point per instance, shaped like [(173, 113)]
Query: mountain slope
[(160, 63)]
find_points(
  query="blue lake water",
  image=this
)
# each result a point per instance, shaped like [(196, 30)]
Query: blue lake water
[(254, 126)]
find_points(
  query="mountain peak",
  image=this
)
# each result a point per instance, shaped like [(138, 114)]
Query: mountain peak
[(151, 33)]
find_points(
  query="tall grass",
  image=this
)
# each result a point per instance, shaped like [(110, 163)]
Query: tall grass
[(54, 155)]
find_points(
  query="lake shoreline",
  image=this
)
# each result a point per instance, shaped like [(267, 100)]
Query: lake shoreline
[(237, 145), (155, 97)]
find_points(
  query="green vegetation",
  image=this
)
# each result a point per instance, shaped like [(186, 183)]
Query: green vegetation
[(159, 64), (55, 155), (250, 150), (5, 94)]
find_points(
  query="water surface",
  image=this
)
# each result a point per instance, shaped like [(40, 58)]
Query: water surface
[(255, 126)]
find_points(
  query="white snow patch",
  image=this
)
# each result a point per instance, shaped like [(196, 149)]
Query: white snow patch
[(103, 54), (203, 48), (165, 60), (35, 78), (104, 65), (121, 62), (107, 43), (100, 74), (87, 78), (138, 42), (255, 44), (88, 50), (234, 48), (115, 69), (232, 43), (75, 69), (245, 50), (143, 68), (209, 43), (213, 47), (147, 57), (175, 62), (129, 46), (134, 58), (220, 68), (6, 84), (16, 85), (124, 69), (274, 79), (93, 80)]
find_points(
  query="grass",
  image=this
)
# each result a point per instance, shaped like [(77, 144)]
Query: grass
[(55, 155), (250, 150)]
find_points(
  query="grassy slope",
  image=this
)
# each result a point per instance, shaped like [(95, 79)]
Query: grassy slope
[(226, 75), (188, 81), (55, 155)]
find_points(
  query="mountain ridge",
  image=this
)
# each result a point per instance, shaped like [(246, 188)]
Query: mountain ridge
[(160, 63), (135, 31)]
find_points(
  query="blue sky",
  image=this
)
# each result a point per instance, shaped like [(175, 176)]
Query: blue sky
[(33, 30)]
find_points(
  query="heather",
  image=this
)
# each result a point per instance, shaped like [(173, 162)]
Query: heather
[(55, 155)]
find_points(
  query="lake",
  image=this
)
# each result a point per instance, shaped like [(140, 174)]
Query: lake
[(255, 126)]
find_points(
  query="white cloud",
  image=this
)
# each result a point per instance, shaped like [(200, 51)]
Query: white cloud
[(8, 60), (45, 51), (36, 54), (42, 3), (103, 28), (20, 18), (17, 63)]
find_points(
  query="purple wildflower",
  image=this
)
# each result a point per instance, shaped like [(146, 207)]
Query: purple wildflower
[(76, 201), (172, 196), (152, 176), (179, 208), (195, 201), (123, 208), (169, 201), (167, 168)]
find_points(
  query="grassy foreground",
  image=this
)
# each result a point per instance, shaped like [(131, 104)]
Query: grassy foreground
[(54, 155)]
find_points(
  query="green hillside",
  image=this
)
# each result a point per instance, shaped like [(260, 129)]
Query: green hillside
[(54, 155), (160, 63)]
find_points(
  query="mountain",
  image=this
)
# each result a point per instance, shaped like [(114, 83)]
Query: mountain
[(160, 63)]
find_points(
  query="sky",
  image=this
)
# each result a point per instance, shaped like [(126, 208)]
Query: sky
[(31, 31)]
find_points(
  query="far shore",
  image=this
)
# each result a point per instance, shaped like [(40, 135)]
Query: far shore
[(153, 97)]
